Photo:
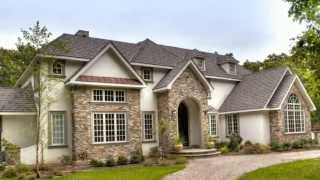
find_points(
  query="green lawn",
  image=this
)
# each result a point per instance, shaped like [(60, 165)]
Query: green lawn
[(137, 172), (297, 170)]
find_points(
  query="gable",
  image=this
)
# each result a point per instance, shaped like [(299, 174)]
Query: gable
[(108, 65)]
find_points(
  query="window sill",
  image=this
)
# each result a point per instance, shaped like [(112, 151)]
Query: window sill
[(57, 146), (149, 141), (111, 143), (294, 133), (57, 76)]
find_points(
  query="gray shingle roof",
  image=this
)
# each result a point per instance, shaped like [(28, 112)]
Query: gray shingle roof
[(145, 52), (254, 91), (16, 100), (282, 90)]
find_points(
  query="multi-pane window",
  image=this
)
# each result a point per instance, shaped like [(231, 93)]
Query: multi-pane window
[(58, 68), (109, 127), (294, 116), (232, 124), (148, 122), (212, 125), (147, 74), (109, 95), (57, 128)]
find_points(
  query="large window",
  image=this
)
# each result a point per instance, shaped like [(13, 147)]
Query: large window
[(294, 116), (212, 125), (148, 124), (109, 95), (109, 127), (57, 128), (232, 124)]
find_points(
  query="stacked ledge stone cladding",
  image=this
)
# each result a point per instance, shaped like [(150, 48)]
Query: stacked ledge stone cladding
[(82, 139)]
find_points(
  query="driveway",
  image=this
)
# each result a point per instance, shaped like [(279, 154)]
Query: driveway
[(233, 166)]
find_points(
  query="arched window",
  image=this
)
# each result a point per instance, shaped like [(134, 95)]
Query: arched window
[(294, 115)]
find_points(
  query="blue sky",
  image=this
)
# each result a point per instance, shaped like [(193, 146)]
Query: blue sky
[(250, 29)]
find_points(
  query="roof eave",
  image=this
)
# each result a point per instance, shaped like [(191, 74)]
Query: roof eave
[(105, 84)]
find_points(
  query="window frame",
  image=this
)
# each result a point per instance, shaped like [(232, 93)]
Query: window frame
[(294, 111), (152, 113), (210, 124), (113, 95), (150, 70), (51, 137), (115, 129), (62, 63), (234, 117), (235, 68), (202, 61)]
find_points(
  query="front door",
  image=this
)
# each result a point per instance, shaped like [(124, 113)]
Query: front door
[(183, 123)]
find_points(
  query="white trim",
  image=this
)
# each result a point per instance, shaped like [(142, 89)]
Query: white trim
[(105, 84), (18, 113), (287, 93), (249, 110), (88, 65), (151, 65), (63, 57), (275, 89), (113, 94), (222, 78)]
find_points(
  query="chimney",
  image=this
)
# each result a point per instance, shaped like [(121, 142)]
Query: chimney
[(82, 33)]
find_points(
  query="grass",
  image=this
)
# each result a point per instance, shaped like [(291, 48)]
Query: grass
[(297, 170), (137, 172)]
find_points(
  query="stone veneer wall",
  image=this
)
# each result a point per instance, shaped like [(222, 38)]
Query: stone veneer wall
[(82, 129), (186, 86), (277, 122)]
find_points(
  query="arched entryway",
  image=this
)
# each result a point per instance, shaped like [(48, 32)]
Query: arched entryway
[(189, 124)]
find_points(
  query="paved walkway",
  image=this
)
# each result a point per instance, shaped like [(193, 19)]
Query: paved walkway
[(231, 167)]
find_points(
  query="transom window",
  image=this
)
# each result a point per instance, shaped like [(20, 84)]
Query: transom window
[(200, 62), (232, 124), (147, 74), (294, 115), (109, 127), (148, 124), (109, 95), (58, 68), (57, 128), (212, 125)]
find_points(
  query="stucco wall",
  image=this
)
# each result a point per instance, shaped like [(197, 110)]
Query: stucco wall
[(255, 127), (19, 130), (108, 65), (220, 91)]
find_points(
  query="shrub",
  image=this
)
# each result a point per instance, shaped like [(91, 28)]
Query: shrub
[(22, 168), (224, 149), (286, 146), (96, 163), (297, 144), (66, 160), (136, 157), (122, 160), (275, 146), (247, 143), (235, 141), (154, 152), (181, 160), (2, 167), (255, 148), (110, 162), (10, 172), (221, 144)]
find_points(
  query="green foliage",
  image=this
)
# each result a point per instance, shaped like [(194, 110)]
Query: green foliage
[(224, 149), (22, 168), (96, 163), (66, 160), (305, 10), (122, 160), (234, 143), (2, 167), (136, 157), (110, 162), (10, 172), (12, 152), (249, 148)]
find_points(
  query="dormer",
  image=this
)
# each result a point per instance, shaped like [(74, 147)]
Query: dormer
[(200, 62), (228, 63)]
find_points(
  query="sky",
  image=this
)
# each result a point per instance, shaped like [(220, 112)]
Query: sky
[(250, 29)]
